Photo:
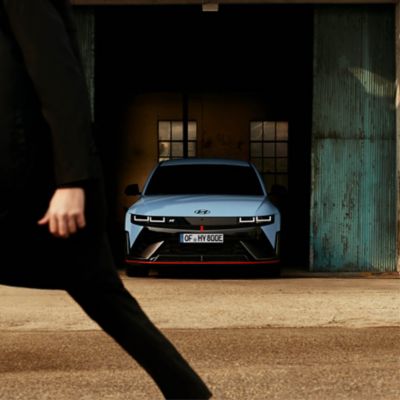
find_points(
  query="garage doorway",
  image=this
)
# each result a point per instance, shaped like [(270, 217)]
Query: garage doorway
[(225, 72)]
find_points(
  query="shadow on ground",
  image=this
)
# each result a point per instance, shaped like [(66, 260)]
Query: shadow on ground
[(219, 272)]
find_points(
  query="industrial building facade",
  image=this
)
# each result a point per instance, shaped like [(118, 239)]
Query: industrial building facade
[(307, 90)]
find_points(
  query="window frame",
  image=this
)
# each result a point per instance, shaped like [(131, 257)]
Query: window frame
[(172, 141), (271, 176)]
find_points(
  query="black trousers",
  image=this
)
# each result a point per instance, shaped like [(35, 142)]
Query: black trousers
[(83, 265)]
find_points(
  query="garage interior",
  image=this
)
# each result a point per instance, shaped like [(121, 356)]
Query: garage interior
[(222, 70)]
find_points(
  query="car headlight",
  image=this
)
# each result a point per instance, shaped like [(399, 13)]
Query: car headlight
[(265, 219), (262, 220), (145, 219)]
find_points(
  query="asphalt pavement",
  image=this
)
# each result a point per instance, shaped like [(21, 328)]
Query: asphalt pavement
[(293, 338)]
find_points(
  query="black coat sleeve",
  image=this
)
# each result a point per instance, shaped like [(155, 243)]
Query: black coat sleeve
[(59, 81)]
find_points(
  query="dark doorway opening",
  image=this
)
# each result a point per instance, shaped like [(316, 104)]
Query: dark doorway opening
[(264, 52)]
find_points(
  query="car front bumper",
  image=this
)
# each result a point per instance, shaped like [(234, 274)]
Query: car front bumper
[(242, 246)]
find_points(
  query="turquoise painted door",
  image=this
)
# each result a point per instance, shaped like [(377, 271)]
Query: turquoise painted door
[(353, 202)]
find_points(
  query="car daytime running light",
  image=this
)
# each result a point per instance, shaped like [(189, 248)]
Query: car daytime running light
[(265, 219), (247, 220), (144, 218)]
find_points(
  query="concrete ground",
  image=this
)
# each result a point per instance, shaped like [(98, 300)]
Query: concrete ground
[(221, 303), (292, 338)]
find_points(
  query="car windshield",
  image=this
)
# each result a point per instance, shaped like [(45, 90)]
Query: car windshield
[(204, 179)]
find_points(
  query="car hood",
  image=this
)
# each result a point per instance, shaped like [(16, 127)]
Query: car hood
[(218, 206)]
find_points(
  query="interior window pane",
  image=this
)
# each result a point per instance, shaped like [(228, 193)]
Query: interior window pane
[(281, 150), (192, 149), (269, 165), (256, 131), (192, 130), (282, 130), (281, 164), (255, 149), (177, 130), (177, 149), (269, 149), (269, 130), (164, 149), (164, 130)]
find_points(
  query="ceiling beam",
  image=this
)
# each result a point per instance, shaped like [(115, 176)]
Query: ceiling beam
[(193, 2)]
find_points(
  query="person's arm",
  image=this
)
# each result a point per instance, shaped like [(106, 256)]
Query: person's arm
[(60, 84)]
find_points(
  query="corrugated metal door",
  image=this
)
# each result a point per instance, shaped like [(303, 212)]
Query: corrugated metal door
[(353, 204)]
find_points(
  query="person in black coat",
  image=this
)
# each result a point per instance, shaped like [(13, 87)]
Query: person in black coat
[(52, 208)]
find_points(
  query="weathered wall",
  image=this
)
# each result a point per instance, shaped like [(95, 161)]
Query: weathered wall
[(223, 123), (353, 206)]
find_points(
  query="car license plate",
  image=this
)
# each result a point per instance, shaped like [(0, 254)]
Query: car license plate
[(202, 238)]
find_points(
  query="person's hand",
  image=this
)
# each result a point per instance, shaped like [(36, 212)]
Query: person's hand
[(65, 214)]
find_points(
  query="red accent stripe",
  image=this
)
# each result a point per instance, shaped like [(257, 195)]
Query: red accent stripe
[(201, 228), (276, 261)]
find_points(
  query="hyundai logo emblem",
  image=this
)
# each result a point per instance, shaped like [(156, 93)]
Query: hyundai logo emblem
[(202, 212)]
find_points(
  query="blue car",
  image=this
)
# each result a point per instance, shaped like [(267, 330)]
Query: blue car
[(203, 212)]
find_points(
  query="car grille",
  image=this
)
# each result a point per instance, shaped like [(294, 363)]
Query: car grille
[(161, 246)]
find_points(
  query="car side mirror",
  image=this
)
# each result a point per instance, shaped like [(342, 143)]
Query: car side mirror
[(132, 190)]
